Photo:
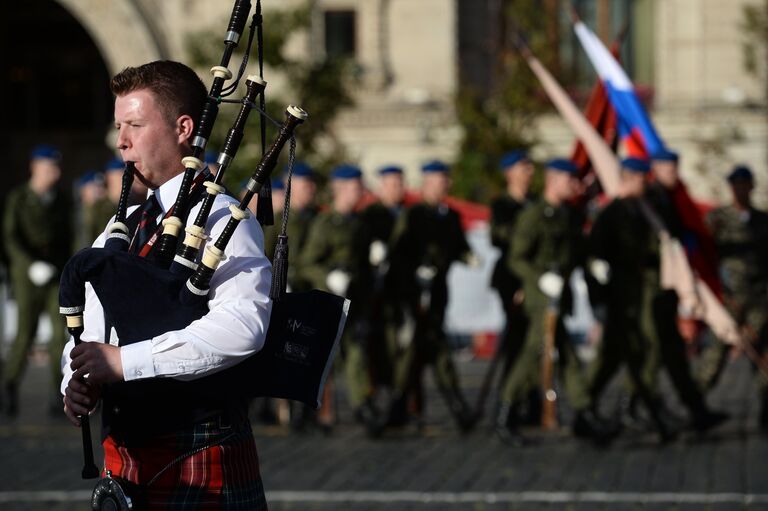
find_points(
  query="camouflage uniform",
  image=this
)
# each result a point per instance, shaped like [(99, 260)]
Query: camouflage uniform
[(742, 242), (546, 239), (504, 213), (340, 242), (36, 229)]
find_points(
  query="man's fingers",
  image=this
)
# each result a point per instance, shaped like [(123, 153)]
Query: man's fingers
[(72, 416), (75, 408), (78, 385), (79, 398)]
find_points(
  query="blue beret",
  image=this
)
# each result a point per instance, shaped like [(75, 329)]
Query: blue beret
[(740, 172), (45, 151), (435, 166), (300, 169), (87, 177), (510, 158), (390, 169), (211, 157), (277, 184), (563, 165), (114, 164), (635, 165), (346, 172), (665, 154)]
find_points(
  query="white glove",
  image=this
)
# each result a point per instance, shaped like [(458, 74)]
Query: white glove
[(474, 261), (40, 272), (601, 270), (338, 282), (551, 284), (377, 253), (425, 274)]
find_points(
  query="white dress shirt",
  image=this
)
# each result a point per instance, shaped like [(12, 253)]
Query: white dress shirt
[(239, 307)]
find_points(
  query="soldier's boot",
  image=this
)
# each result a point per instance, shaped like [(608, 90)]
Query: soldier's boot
[(11, 399), (462, 413), (531, 415), (506, 426), (703, 419), (368, 415), (665, 425), (587, 424), (397, 416)]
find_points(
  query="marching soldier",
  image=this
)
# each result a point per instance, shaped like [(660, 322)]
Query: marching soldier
[(385, 312), (518, 173), (741, 236), (427, 240), (38, 236), (666, 345), (545, 247), (335, 258), (625, 253), (304, 211), (90, 192)]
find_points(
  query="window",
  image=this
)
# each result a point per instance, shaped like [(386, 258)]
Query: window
[(340, 34)]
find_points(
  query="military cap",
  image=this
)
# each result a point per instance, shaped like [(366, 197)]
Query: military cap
[(434, 166), (211, 157), (277, 184), (665, 154), (45, 151), (512, 157), (346, 172), (300, 169), (390, 169), (635, 165), (88, 177), (740, 173), (562, 165), (114, 165)]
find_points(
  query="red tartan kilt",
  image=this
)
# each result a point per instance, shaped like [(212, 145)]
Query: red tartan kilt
[(223, 476)]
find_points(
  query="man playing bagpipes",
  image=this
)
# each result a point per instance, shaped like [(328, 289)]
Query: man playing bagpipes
[(196, 450)]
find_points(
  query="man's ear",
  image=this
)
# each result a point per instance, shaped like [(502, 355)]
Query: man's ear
[(185, 128)]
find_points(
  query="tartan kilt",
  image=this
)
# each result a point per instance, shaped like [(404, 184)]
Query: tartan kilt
[(222, 476)]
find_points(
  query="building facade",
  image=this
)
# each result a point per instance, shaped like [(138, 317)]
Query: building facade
[(685, 54)]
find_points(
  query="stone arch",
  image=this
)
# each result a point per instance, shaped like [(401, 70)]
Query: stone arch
[(122, 30)]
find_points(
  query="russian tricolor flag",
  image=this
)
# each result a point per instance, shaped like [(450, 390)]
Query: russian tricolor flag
[(635, 127)]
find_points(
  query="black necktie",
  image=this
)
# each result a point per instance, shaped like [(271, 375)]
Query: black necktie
[(147, 223)]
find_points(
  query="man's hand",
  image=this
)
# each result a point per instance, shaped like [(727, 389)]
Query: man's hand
[(101, 362), (79, 399)]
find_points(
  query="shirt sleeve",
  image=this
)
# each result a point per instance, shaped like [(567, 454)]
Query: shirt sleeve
[(234, 327)]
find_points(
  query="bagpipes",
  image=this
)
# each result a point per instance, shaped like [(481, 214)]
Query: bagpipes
[(143, 297)]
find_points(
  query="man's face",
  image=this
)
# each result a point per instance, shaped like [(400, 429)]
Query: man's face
[(561, 185), (45, 173), (741, 190), (391, 189), (520, 175), (147, 137), (113, 180), (303, 191), (632, 184), (666, 173), (346, 194), (435, 186)]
